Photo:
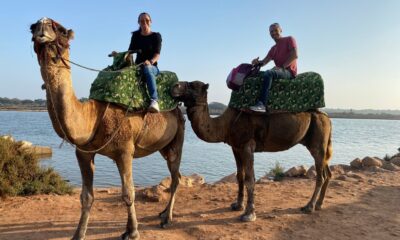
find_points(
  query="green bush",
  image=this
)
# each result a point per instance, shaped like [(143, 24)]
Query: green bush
[(277, 172), (20, 174)]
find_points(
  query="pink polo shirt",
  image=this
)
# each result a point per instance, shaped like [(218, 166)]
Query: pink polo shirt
[(280, 52)]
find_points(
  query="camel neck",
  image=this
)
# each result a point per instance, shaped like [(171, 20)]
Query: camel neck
[(206, 128), (69, 116)]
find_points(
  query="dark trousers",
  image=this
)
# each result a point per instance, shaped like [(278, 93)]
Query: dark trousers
[(267, 82)]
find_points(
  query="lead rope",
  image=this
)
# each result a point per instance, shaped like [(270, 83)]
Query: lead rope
[(65, 139)]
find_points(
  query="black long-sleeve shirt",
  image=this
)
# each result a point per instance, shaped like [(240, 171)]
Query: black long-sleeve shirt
[(149, 46)]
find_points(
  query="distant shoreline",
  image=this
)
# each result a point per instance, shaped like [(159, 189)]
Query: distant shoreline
[(345, 115)]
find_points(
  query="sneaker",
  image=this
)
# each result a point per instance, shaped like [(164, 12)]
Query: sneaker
[(154, 106), (259, 107)]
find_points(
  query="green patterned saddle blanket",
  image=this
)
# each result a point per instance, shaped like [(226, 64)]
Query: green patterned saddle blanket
[(124, 86), (305, 92)]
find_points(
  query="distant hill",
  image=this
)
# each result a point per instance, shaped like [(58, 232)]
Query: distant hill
[(215, 108)]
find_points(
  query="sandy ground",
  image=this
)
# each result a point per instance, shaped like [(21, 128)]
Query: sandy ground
[(366, 208)]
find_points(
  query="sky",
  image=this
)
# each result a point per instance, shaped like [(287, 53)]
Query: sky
[(353, 44)]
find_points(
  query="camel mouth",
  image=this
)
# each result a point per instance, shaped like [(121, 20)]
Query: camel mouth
[(179, 90), (43, 39)]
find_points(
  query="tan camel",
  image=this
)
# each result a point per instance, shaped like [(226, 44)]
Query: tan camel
[(91, 125), (247, 133)]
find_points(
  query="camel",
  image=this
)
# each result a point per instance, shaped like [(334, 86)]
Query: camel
[(248, 132), (98, 127)]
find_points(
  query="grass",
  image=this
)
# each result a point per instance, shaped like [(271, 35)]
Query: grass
[(277, 172), (21, 175)]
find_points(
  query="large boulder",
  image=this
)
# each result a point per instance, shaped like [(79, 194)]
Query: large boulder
[(390, 166), (395, 161), (311, 173), (371, 162), (297, 171), (228, 179), (356, 163)]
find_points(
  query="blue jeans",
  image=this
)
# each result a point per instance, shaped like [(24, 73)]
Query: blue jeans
[(267, 81), (150, 72)]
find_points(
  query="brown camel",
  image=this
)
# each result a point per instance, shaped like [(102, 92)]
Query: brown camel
[(247, 133), (107, 129)]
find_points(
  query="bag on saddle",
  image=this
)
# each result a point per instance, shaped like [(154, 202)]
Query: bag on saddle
[(237, 76)]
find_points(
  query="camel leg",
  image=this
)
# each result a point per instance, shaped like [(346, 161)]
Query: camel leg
[(128, 195), (172, 153), (247, 155), (321, 150), (238, 205), (86, 165), (327, 175)]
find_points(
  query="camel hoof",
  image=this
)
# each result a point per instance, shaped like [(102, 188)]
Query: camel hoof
[(237, 207), (307, 209), (318, 207), (76, 237), (130, 236), (248, 217), (163, 214), (165, 224)]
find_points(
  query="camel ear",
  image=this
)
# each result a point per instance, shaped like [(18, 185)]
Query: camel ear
[(71, 34), (33, 27)]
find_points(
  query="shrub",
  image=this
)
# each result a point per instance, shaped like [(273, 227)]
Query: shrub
[(20, 174), (277, 172)]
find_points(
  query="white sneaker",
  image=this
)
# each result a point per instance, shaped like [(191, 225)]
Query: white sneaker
[(259, 107), (154, 108)]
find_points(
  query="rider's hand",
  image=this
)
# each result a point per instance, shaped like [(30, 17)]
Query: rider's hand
[(255, 61), (147, 62)]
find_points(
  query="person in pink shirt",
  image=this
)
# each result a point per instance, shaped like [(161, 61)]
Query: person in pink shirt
[(284, 55)]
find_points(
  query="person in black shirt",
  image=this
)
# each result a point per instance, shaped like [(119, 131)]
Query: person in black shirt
[(149, 44)]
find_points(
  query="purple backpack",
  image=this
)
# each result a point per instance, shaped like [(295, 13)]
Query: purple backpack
[(237, 76)]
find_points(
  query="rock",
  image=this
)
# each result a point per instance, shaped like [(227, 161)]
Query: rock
[(296, 171), (311, 173), (346, 178), (371, 162), (228, 179), (265, 179), (197, 179), (354, 175), (375, 169), (356, 163), (155, 194), (395, 161), (390, 166), (185, 181), (337, 169), (40, 151)]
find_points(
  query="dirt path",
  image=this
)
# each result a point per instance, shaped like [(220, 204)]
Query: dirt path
[(366, 208)]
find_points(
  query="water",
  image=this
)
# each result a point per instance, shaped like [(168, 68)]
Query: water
[(351, 138)]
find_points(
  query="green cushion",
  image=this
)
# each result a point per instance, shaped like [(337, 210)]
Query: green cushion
[(305, 92), (126, 87)]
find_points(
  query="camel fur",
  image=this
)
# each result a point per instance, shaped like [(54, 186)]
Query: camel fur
[(248, 132), (108, 128)]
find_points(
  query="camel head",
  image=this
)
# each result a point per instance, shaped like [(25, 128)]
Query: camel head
[(190, 93), (50, 39)]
